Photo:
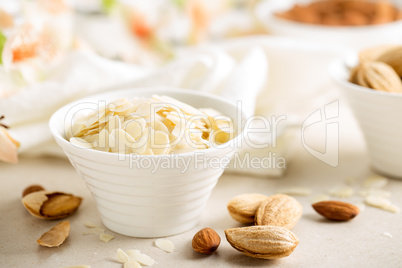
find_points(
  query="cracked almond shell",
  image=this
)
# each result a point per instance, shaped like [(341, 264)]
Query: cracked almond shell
[(51, 205), (55, 236)]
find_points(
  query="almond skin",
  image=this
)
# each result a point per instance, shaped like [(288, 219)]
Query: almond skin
[(279, 210), (264, 242), (336, 210), (206, 241)]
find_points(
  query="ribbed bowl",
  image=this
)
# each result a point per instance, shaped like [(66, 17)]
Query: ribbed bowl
[(379, 115), (138, 195)]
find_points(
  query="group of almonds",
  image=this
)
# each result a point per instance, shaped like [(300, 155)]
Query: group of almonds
[(50, 205), (274, 216), (379, 68), (343, 12)]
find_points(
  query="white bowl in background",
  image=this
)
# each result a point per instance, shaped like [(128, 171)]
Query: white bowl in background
[(355, 37), (141, 201), (379, 116)]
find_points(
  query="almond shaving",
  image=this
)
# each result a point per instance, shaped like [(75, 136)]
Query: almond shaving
[(387, 234), (105, 237), (143, 259), (165, 245), (375, 182), (382, 203), (341, 191)]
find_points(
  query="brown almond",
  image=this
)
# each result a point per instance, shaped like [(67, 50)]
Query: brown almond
[(242, 208), (55, 236), (264, 242), (206, 241), (336, 210), (279, 210)]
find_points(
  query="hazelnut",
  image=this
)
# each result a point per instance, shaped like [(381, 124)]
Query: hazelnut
[(206, 241)]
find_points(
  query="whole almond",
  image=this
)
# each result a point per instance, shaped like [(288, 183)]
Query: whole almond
[(336, 210), (206, 241), (264, 242), (242, 208), (279, 210)]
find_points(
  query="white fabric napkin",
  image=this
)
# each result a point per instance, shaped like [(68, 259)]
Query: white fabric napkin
[(237, 70)]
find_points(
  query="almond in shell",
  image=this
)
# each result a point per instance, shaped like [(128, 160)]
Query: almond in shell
[(242, 208), (279, 210), (393, 57), (264, 242), (376, 75)]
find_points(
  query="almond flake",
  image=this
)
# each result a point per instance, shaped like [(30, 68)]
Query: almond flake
[(143, 259), (90, 224), (375, 192), (341, 191), (122, 256), (301, 191), (375, 182), (95, 231), (382, 203), (165, 245), (145, 126), (387, 234), (106, 237)]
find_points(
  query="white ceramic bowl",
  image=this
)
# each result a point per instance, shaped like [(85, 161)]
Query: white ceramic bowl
[(136, 196), (356, 37), (379, 116)]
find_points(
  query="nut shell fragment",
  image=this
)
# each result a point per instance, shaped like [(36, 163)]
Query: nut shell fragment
[(264, 242), (55, 236), (51, 205)]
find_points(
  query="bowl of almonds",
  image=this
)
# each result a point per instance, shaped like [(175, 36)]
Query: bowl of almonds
[(351, 23), (372, 85), (151, 156)]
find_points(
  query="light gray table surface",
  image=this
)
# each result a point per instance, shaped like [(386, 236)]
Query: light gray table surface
[(358, 243)]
